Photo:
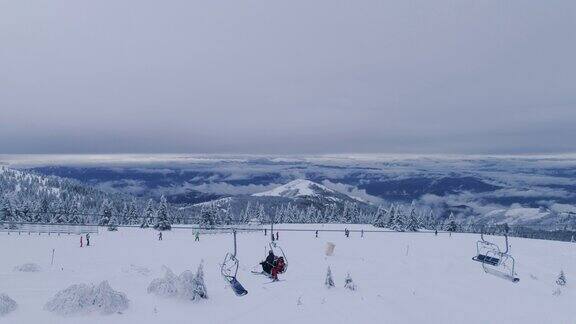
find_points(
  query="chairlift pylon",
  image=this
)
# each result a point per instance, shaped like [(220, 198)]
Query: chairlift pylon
[(229, 270), (495, 261)]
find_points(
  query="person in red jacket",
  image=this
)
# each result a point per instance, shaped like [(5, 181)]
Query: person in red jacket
[(279, 265)]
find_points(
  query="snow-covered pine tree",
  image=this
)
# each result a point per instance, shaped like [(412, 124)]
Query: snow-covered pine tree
[(561, 281), (74, 216), (132, 216), (380, 217), (431, 220), (451, 225), (246, 214), (123, 217), (349, 283), (391, 217), (200, 286), (162, 216), (400, 220), (113, 223), (208, 215), (329, 281), (412, 224), (148, 214), (227, 215), (5, 211), (106, 213)]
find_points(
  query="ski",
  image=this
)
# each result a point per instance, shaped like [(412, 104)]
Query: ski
[(274, 281)]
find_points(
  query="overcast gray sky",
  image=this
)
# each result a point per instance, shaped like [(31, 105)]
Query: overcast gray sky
[(299, 76)]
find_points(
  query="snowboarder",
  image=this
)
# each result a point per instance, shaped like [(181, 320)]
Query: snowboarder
[(316, 233), (159, 236), (276, 236), (197, 237), (87, 239), (81, 245)]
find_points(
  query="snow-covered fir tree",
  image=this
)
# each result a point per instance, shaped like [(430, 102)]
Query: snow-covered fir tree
[(451, 225), (380, 217), (413, 223), (148, 216), (561, 280), (208, 216), (113, 223), (200, 286), (391, 222), (400, 220), (162, 216), (329, 281), (105, 213), (349, 283)]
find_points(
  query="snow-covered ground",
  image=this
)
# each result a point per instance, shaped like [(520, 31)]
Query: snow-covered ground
[(401, 278)]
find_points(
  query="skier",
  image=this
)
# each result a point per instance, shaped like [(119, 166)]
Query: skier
[(197, 237), (278, 267), (159, 236), (265, 232), (316, 233), (81, 245), (347, 232), (362, 233), (276, 236), (435, 232), (268, 264), (87, 239)]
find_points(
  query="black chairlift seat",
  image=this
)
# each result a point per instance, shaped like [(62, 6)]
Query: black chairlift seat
[(486, 259)]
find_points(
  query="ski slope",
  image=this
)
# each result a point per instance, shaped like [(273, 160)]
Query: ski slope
[(401, 278)]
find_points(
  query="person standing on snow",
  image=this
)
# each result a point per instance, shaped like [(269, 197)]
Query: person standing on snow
[(316, 233), (276, 236), (87, 239), (159, 236), (197, 237), (81, 245)]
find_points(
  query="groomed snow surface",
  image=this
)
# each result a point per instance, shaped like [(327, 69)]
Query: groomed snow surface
[(399, 278)]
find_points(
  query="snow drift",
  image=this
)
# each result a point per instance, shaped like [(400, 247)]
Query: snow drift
[(187, 285), (27, 267), (7, 304), (86, 299)]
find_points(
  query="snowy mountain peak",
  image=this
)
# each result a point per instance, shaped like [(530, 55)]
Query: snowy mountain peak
[(297, 188)]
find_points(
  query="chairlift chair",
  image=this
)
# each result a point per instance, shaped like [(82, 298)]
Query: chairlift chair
[(495, 261), (229, 270)]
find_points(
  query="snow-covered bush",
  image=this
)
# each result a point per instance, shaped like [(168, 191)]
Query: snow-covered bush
[(187, 285), (329, 281), (86, 299), (27, 267), (164, 287), (349, 283), (7, 304)]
